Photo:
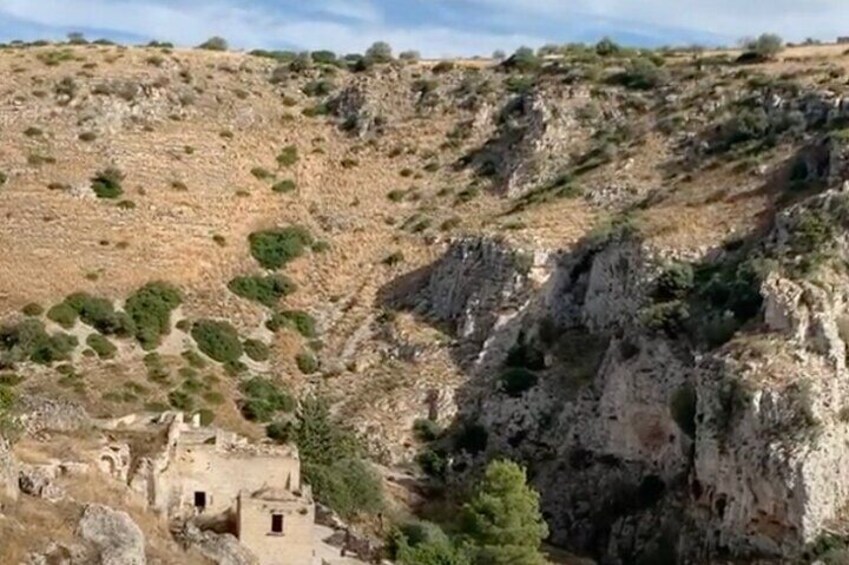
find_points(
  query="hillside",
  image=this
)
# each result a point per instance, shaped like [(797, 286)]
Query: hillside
[(624, 269)]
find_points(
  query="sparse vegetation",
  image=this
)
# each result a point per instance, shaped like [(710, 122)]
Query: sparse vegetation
[(107, 183), (288, 156), (284, 186), (297, 320)]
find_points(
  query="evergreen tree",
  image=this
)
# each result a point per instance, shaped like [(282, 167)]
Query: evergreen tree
[(503, 522)]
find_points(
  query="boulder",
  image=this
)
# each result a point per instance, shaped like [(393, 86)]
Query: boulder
[(117, 538), (223, 549)]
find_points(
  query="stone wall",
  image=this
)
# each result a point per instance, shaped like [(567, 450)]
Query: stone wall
[(295, 545)]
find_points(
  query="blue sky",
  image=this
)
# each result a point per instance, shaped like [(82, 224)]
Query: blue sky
[(434, 27)]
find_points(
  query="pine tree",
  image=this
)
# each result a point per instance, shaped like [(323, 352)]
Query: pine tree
[(503, 522)]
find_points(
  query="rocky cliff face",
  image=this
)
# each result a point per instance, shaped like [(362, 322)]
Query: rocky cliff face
[(645, 440)]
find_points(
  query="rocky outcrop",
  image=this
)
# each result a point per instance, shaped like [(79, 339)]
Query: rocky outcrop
[(641, 440), (8, 470), (222, 549), (40, 481), (537, 133), (456, 298), (116, 537), (38, 414)]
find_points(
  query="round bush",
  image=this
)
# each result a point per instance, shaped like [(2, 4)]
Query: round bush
[(266, 290), (307, 363), (276, 247), (150, 310), (256, 350), (107, 183), (217, 340), (32, 310), (283, 186), (104, 348), (63, 314)]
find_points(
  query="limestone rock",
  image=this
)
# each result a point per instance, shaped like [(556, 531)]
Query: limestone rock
[(118, 539), (39, 481), (8, 470), (223, 549), (39, 414)]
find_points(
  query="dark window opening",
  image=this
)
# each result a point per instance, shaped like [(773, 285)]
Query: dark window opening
[(276, 523), (200, 500)]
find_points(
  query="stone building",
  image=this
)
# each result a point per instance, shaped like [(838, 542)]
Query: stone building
[(217, 480)]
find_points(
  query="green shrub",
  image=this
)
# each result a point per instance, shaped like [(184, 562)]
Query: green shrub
[(256, 350), (181, 400), (215, 44), (7, 398), (100, 314), (349, 487), (524, 59), (217, 340), (330, 455), (10, 379), (432, 462), (207, 416), (426, 429), (298, 320), (3, 178), (104, 348), (213, 397), (396, 195), (319, 87), (767, 46), (235, 368), (674, 282), (393, 259), (324, 57), (283, 186), (107, 183), (307, 363), (281, 432), (516, 381), (57, 347), (640, 74), (87, 136), (262, 173), (379, 52), (267, 290), (288, 156), (32, 310), (263, 400), (320, 246), (63, 314), (276, 247), (150, 310), (668, 317)]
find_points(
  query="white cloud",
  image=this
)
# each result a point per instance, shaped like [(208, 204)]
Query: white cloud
[(727, 18), (192, 22)]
